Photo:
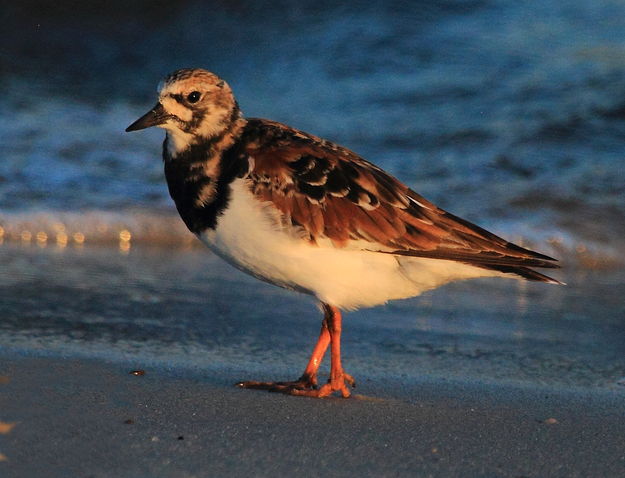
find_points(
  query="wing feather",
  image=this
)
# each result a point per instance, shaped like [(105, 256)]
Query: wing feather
[(331, 193)]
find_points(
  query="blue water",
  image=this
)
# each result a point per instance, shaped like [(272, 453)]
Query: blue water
[(511, 114)]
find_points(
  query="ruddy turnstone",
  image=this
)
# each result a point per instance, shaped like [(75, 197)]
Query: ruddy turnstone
[(306, 214)]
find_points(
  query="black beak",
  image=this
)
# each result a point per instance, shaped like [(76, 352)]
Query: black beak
[(154, 117)]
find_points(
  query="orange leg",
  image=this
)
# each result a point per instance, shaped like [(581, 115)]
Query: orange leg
[(306, 385), (338, 378), (310, 372)]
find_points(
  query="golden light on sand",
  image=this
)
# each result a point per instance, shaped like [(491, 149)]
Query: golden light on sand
[(124, 240), (6, 427), (61, 239), (79, 237), (42, 238)]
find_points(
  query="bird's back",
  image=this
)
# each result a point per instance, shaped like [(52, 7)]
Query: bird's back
[(331, 195)]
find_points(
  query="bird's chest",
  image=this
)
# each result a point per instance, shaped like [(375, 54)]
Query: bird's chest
[(196, 196), (247, 235), (199, 182)]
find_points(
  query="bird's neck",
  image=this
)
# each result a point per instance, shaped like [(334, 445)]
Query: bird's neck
[(178, 141), (184, 147), (198, 176)]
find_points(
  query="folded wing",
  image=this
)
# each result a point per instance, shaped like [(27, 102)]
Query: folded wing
[(329, 192)]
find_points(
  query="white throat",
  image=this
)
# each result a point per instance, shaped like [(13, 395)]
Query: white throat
[(177, 140)]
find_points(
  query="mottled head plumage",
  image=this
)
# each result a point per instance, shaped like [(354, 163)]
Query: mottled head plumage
[(191, 77), (193, 105)]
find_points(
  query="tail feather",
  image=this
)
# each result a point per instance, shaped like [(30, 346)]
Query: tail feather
[(524, 272), (484, 258)]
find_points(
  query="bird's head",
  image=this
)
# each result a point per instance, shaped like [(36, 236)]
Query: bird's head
[(193, 105)]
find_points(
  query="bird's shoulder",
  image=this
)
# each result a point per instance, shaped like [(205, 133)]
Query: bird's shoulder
[(326, 189), (317, 169)]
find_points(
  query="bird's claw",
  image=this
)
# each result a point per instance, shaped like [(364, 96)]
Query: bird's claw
[(306, 386), (335, 384)]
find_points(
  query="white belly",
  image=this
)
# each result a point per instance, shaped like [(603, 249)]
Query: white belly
[(247, 237)]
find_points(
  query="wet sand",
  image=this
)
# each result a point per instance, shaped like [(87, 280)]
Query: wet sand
[(483, 378), (88, 418)]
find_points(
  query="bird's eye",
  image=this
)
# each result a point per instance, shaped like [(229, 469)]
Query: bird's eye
[(193, 97)]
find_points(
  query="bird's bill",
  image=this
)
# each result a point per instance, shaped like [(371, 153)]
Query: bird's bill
[(154, 117)]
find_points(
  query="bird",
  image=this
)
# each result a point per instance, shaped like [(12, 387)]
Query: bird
[(306, 214)]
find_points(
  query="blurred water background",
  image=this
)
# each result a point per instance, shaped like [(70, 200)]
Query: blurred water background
[(511, 114)]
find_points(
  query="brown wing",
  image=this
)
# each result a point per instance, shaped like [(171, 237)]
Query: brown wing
[(331, 193)]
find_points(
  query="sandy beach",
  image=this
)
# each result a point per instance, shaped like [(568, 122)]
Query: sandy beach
[(475, 379), (92, 418)]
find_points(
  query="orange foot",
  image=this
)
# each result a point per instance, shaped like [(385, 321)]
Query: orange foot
[(335, 384), (306, 386)]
